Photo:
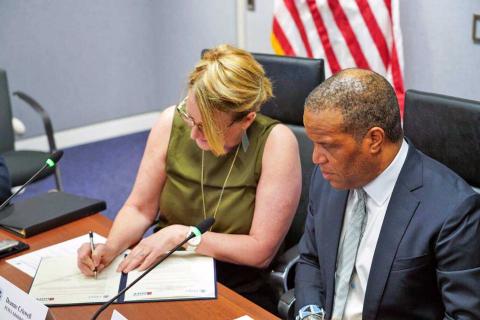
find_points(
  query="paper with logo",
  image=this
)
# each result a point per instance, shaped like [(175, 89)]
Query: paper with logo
[(186, 276), (183, 276), (17, 305), (59, 282)]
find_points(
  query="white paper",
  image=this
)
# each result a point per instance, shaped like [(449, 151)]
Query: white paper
[(29, 262), (183, 275), (244, 318), (117, 316), (16, 304), (59, 282)]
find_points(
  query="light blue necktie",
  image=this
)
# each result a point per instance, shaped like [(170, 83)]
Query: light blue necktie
[(347, 254)]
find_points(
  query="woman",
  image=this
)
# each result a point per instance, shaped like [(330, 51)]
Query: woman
[(212, 156)]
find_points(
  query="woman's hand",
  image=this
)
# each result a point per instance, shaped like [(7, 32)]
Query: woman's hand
[(150, 249), (100, 258)]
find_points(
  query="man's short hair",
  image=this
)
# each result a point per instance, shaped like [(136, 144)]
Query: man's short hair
[(365, 100)]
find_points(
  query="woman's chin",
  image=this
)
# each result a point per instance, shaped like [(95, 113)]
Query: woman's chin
[(202, 144)]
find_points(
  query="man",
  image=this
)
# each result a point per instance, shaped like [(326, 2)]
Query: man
[(4, 181), (390, 233)]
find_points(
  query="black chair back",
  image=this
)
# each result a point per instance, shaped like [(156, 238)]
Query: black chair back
[(22, 164), (293, 78), (446, 129), (6, 129)]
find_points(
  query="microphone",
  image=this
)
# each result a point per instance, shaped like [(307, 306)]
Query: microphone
[(49, 163), (201, 228)]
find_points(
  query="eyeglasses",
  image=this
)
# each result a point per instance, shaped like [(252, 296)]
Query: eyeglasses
[(181, 109)]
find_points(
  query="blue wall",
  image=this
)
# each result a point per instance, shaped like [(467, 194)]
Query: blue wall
[(90, 61)]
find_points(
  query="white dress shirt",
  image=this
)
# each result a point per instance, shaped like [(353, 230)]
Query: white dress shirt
[(378, 192)]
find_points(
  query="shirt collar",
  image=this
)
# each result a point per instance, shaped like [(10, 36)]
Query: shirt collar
[(380, 188)]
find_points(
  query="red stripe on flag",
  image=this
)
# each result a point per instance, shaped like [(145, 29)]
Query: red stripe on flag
[(397, 77), (292, 8), (282, 39), (388, 4), (375, 31), (323, 35), (350, 38)]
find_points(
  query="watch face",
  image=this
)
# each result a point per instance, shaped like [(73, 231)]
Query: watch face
[(195, 241)]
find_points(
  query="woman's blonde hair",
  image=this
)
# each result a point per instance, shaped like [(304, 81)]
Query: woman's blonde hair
[(227, 79)]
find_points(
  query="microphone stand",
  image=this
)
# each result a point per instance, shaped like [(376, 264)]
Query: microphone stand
[(5, 203), (169, 253), (50, 162)]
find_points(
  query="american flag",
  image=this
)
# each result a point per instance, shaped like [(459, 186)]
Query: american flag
[(348, 33)]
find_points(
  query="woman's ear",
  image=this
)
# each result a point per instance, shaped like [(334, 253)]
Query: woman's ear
[(248, 119)]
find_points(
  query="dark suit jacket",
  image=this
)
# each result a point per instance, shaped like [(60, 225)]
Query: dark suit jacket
[(4, 181), (427, 260)]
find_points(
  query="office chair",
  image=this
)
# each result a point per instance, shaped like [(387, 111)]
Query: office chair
[(446, 129), (22, 164), (293, 78)]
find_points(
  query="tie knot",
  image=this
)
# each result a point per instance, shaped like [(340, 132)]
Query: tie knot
[(361, 194)]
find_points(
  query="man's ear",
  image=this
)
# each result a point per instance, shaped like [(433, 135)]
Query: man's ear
[(248, 119), (375, 138)]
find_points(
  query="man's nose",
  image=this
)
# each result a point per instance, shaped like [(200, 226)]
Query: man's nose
[(318, 157)]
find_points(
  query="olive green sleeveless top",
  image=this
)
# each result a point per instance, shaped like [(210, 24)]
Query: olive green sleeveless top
[(181, 198)]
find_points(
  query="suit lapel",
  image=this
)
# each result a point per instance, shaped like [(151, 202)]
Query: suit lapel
[(331, 227), (400, 211)]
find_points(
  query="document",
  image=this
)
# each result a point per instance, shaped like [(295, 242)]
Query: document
[(182, 276)]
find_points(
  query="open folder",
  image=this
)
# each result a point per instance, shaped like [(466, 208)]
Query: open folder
[(183, 276)]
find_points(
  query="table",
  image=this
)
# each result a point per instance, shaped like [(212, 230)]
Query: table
[(228, 305)]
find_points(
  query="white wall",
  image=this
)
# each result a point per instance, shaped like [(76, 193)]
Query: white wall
[(440, 55)]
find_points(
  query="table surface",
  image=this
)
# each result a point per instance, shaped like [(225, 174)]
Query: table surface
[(228, 305)]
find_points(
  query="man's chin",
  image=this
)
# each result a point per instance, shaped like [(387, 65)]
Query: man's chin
[(337, 185)]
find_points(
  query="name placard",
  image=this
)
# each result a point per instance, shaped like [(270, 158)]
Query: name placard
[(117, 315), (18, 305)]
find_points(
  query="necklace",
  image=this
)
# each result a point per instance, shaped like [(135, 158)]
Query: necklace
[(223, 187)]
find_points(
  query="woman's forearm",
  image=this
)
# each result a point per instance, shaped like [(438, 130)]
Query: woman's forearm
[(128, 228), (237, 249)]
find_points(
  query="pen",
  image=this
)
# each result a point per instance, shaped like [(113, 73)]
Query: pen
[(92, 247)]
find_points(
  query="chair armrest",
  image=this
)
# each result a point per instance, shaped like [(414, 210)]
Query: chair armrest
[(47, 123), (282, 266), (286, 305), (18, 126)]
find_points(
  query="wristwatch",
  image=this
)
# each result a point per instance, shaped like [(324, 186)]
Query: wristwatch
[(311, 312), (193, 243)]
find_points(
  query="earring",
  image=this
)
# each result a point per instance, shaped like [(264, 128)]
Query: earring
[(245, 141)]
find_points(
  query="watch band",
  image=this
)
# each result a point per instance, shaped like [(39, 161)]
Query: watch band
[(193, 243), (311, 312)]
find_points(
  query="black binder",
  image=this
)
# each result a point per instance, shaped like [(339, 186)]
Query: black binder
[(46, 211)]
